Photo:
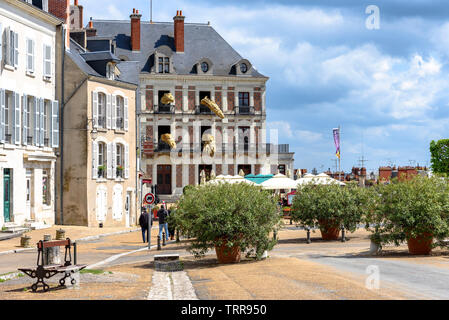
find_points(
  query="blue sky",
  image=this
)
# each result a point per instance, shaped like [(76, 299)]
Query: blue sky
[(387, 88)]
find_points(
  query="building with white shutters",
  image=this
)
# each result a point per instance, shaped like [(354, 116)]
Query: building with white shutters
[(29, 113), (99, 155)]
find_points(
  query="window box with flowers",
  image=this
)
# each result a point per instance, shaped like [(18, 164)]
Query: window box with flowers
[(101, 171), (119, 172)]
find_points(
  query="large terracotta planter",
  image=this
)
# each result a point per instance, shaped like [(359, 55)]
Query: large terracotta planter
[(329, 230), (421, 245), (227, 254)]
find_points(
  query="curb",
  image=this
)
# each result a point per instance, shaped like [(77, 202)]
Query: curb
[(82, 239)]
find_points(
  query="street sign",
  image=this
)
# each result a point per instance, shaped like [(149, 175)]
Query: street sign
[(149, 198)]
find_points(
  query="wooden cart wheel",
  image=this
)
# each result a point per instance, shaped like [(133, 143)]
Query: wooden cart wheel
[(62, 282), (73, 281)]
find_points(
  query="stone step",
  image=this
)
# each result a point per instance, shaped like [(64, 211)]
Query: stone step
[(17, 229), (166, 257), (36, 225)]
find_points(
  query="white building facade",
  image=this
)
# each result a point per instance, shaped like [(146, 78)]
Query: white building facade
[(29, 113)]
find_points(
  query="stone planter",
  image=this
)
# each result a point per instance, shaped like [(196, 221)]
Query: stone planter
[(421, 245), (25, 241), (329, 230), (226, 255)]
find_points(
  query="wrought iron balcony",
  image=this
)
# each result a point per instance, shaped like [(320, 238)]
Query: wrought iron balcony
[(201, 109), (8, 138), (46, 142), (119, 124), (164, 109), (244, 110), (101, 122), (29, 140)]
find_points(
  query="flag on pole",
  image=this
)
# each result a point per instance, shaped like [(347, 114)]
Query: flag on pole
[(337, 142)]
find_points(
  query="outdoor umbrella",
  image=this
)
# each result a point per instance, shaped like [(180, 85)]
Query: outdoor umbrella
[(279, 182)]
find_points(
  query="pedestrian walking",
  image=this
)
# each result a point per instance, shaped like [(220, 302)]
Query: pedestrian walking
[(163, 215), (144, 220)]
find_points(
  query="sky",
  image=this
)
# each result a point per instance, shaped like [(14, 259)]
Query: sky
[(386, 87)]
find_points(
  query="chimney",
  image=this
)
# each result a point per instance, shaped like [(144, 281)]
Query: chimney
[(179, 31), (61, 9), (135, 30), (91, 31)]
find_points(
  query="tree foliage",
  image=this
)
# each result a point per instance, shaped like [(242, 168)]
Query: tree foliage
[(439, 156), (409, 209), (235, 214), (342, 205)]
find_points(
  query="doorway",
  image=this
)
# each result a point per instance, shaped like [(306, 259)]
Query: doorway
[(164, 179), (245, 167), (29, 213), (127, 209), (207, 169), (7, 195)]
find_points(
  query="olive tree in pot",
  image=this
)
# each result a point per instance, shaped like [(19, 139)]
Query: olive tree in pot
[(232, 218), (330, 207), (416, 211)]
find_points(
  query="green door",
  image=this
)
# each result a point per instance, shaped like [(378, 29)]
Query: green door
[(7, 195)]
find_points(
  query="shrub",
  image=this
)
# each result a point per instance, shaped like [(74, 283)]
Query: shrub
[(344, 206), (409, 209), (235, 214)]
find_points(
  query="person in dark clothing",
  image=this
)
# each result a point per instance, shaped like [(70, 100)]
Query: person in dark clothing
[(163, 214), (144, 220)]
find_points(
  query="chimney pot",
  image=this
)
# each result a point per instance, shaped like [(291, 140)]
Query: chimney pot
[(135, 30), (179, 31)]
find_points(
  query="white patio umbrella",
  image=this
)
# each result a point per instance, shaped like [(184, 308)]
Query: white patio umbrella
[(231, 179), (279, 182), (319, 179)]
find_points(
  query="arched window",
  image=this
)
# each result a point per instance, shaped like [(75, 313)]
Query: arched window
[(102, 162), (120, 112), (120, 163), (101, 110)]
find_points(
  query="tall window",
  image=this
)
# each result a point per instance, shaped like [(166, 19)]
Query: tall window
[(8, 117), (47, 120), (110, 74), (46, 200), (120, 163), (30, 56), (101, 110), (30, 119), (101, 159), (244, 99), (120, 105), (164, 65)]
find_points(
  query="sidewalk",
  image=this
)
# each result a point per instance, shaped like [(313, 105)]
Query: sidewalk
[(72, 232)]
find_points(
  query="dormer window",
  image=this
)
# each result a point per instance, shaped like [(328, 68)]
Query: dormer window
[(244, 68), (204, 67), (164, 65), (110, 71)]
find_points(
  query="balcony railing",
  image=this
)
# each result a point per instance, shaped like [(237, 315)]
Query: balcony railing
[(244, 110), (101, 122), (29, 140), (281, 148), (119, 124), (162, 147), (164, 108), (8, 138), (203, 110), (46, 142)]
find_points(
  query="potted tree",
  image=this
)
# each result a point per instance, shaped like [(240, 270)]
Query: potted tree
[(232, 218), (415, 211), (330, 207)]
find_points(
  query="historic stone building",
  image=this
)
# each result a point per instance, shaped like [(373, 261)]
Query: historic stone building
[(30, 52), (191, 61)]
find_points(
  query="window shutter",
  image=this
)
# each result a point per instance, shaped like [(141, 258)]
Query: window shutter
[(126, 164), (1, 43), (114, 112), (41, 122), (114, 160), (109, 162), (2, 115), (36, 122), (95, 109), (108, 111), (16, 119), (7, 45), (24, 120), (54, 124), (47, 61), (94, 160), (16, 49), (125, 114)]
